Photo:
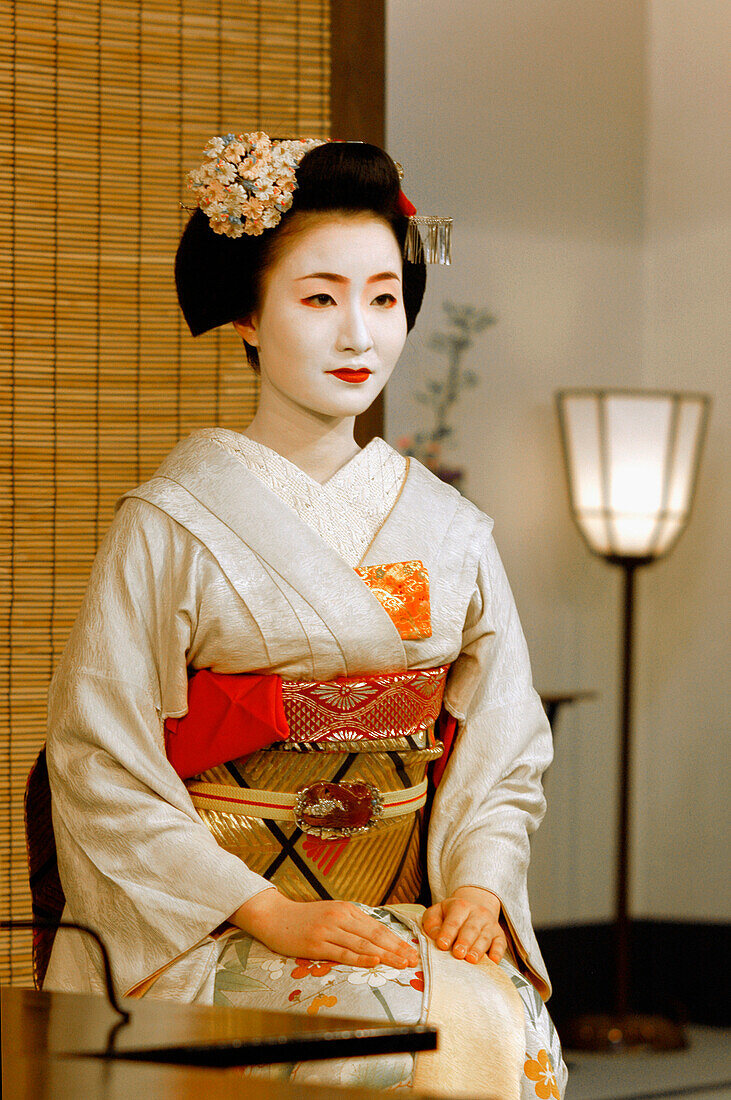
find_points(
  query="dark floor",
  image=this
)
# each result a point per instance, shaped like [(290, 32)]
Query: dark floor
[(702, 1072)]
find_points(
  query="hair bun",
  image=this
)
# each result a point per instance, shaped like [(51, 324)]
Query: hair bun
[(347, 175)]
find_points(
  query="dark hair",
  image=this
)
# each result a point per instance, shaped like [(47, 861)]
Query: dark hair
[(220, 279)]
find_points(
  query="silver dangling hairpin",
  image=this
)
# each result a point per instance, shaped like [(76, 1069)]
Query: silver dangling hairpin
[(435, 247)]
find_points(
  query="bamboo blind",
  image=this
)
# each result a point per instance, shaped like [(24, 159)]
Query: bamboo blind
[(106, 105)]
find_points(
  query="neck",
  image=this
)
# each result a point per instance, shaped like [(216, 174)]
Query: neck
[(317, 443)]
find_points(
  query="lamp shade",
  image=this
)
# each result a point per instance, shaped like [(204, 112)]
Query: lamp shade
[(631, 461)]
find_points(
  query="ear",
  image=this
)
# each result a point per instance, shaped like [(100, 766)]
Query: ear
[(247, 330)]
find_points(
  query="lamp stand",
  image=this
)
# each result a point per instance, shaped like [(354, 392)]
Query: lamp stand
[(623, 1029)]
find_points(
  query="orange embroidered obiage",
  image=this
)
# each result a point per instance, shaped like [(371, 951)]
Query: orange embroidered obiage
[(402, 589)]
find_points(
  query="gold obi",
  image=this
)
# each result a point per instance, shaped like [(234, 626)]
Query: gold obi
[(335, 810)]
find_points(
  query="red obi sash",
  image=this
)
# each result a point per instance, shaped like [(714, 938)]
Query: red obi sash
[(230, 716)]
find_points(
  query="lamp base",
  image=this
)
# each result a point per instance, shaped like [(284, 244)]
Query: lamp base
[(622, 1033)]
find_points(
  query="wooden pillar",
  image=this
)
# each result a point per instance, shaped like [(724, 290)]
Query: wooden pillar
[(357, 106)]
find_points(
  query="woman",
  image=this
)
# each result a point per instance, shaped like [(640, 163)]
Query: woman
[(204, 818)]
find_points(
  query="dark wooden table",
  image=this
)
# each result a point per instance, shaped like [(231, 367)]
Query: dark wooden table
[(69, 1046)]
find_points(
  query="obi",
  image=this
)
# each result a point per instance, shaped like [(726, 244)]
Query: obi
[(320, 787)]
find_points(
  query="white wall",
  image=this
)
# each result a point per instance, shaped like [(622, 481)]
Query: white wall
[(682, 801), (526, 121)]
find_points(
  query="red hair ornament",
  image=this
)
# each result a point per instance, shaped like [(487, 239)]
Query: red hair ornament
[(404, 206)]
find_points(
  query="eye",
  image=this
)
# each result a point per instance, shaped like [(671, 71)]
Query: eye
[(389, 298), (315, 298)]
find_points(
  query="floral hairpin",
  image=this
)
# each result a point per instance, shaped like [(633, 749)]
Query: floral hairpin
[(247, 181)]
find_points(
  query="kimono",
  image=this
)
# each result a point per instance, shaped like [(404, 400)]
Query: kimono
[(232, 559)]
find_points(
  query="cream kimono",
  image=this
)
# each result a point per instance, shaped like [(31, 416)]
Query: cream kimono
[(215, 563)]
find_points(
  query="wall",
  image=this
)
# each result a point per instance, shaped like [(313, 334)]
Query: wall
[(682, 722), (527, 123)]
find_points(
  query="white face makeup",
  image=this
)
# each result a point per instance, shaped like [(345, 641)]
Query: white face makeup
[(332, 303)]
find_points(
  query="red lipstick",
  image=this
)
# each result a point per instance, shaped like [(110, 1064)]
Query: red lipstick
[(348, 375)]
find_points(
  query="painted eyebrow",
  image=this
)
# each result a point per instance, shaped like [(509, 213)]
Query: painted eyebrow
[(341, 278)]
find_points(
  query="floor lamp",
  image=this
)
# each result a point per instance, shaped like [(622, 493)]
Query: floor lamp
[(632, 461)]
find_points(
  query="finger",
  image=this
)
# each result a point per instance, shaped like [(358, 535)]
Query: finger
[(480, 946), (371, 937), (352, 958), (473, 928), (393, 950), (364, 947), (387, 942), (456, 916), (498, 948), (347, 927), (432, 919)]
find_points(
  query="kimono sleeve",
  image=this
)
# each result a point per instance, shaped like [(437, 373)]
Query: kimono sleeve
[(491, 798), (135, 860)]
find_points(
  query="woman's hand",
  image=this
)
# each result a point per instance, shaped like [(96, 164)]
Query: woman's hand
[(335, 931), (467, 922)]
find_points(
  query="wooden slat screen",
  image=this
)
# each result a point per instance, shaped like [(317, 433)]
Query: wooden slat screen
[(105, 105)]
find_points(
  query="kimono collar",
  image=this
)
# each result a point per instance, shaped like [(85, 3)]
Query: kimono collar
[(348, 509), (199, 477)]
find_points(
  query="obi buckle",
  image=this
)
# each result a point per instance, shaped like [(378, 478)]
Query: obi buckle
[(334, 810)]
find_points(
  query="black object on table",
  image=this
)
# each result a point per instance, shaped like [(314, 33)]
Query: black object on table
[(251, 1037), (162, 1031), (51, 1043)]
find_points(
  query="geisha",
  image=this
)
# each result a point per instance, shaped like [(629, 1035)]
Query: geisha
[(297, 698)]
